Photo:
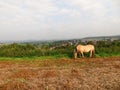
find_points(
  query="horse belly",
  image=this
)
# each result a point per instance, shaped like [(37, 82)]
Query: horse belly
[(86, 50)]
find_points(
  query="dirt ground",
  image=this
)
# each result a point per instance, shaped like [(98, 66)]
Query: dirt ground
[(80, 74)]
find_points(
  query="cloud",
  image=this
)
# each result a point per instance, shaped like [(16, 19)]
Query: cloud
[(53, 18)]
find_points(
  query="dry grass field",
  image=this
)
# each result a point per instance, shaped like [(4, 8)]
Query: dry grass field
[(62, 74)]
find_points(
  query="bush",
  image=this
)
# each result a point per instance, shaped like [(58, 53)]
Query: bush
[(102, 49)]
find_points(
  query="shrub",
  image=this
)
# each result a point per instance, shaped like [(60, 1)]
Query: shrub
[(102, 49)]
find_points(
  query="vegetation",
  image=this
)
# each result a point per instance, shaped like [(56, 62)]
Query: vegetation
[(57, 50), (107, 48)]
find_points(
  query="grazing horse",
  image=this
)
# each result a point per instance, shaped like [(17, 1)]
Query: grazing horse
[(84, 48)]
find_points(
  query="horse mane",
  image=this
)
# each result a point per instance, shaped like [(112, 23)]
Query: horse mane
[(75, 50)]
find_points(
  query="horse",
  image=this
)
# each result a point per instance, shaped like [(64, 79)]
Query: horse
[(84, 48)]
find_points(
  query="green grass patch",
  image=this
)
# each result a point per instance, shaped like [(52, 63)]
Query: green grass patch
[(36, 57)]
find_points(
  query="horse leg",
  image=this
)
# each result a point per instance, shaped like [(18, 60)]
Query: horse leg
[(91, 53), (79, 55), (82, 54)]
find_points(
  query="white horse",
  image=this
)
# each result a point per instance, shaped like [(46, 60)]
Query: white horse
[(84, 48)]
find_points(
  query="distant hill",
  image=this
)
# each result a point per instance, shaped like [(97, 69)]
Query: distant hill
[(98, 38)]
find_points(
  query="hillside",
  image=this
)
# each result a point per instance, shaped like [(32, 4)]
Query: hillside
[(98, 38)]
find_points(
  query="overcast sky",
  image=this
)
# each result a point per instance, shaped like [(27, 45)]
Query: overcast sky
[(58, 19)]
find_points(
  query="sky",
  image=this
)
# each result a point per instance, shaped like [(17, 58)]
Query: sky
[(58, 19)]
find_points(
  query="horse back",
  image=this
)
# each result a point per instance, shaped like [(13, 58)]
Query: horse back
[(84, 48)]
